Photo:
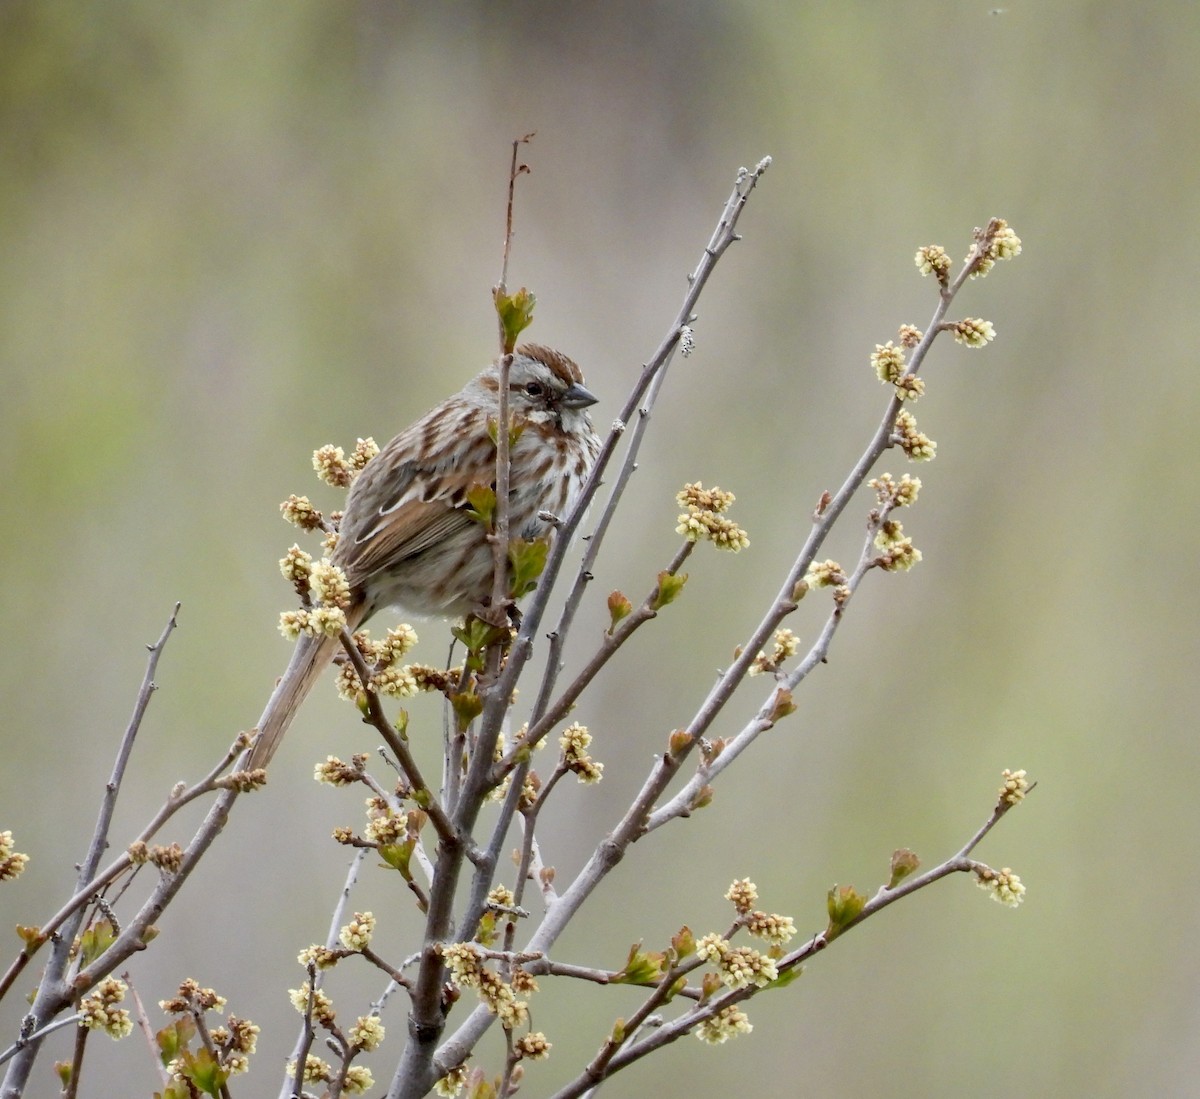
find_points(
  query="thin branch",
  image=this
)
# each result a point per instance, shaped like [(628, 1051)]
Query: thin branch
[(50, 988), (423, 795), (722, 237), (414, 1073), (39, 1034), (677, 1028)]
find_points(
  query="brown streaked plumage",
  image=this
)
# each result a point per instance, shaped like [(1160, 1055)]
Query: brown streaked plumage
[(405, 538)]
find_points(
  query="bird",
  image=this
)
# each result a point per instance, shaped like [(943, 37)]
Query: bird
[(407, 537)]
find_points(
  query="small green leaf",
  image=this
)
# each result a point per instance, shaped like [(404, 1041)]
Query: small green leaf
[(641, 967), (467, 707), (398, 855), (96, 940), (477, 636), (904, 862), (787, 977), (527, 559), (619, 607), (516, 428), (203, 1071), (516, 314), (486, 934), (32, 937), (669, 587), (481, 503), (174, 1038), (683, 942), (844, 904), (782, 704)]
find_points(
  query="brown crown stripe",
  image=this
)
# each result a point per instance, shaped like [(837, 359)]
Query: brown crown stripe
[(558, 362)]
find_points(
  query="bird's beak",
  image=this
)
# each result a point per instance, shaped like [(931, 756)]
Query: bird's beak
[(577, 397)]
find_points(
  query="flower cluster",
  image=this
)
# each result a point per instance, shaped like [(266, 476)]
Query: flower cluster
[(771, 927), (704, 517), (896, 494), (388, 676), (452, 1083), (322, 621), (1015, 787), (99, 1011), (574, 743), (742, 893), (336, 772), (899, 553), (322, 1005), (1003, 885), (888, 361), (167, 857), (296, 567), (919, 447), (785, 645), (320, 956), (533, 1046), (727, 1023), (1004, 244), (329, 585), (384, 825), (299, 511), (331, 466), (738, 966), (825, 574), (358, 1079), (933, 260), (891, 369), (334, 468), (12, 863), (500, 896), (973, 332), (465, 966), (367, 1033), (190, 998), (356, 935)]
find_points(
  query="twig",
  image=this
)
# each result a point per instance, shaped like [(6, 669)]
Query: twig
[(50, 988), (304, 1039), (38, 1035), (88, 891), (422, 793), (415, 1072), (677, 1028), (784, 603)]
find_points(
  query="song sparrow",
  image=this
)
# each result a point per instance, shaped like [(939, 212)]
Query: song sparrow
[(406, 538)]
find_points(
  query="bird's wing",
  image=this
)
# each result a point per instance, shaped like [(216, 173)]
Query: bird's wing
[(407, 522)]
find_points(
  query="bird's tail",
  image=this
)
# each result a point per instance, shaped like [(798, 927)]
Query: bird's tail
[(310, 658)]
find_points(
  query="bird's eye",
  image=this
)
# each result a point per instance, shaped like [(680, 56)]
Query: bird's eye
[(535, 389)]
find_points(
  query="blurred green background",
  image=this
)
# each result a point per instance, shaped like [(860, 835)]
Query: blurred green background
[(232, 231)]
